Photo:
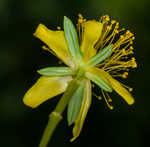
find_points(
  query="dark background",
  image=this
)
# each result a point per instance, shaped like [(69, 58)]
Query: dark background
[(21, 55)]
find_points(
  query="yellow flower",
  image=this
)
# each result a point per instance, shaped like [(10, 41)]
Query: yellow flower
[(103, 54)]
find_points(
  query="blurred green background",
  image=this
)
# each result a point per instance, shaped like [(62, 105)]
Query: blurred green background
[(21, 55)]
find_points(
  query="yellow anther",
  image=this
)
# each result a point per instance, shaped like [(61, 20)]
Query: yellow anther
[(109, 99), (116, 31), (133, 59), (80, 16), (131, 47), (107, 18), (45, 48), (117, 25), (128, 33), (134, 65), (58, 27), (124, 51), (131, 42), (131, 52), (124, 75), (99, 97), (133, 38), (121, 37), (111, 107), (130, 89), (113, 22), (109, 28)]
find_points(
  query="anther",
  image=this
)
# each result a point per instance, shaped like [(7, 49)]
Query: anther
[(113, 22), (111, 107), (107, 18), (131, 47), (109, 99), (109, 28), (134, 65), (124, 51), (131, 42), (80, 16), (130, 89), (128, 33), (121, 37), (116, 31), (99, 97), (117, 25), (124, 75), (58, 28), (45, 48)]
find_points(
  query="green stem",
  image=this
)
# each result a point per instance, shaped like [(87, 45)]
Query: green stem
[(55, 117)]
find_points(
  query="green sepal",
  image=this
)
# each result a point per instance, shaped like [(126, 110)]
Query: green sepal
[(75, 104), (56, 71), (72, 40), (100, 56), (99, 81)]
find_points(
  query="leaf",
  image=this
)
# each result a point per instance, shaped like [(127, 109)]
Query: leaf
[(55, 71), (99, 81), (100, 56), (75, 103), (72, 39)]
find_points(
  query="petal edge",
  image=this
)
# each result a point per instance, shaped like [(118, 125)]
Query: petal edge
[(44, 89)]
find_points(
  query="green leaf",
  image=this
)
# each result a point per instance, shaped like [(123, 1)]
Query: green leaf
[(99, 81), (100, 56), (55, 71), (72, 39), (75, 103)]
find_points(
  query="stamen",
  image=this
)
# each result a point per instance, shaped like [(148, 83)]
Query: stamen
[(113, 21), (124, 75), (58, 28), (107, 101), (80, 16), (79, 25), (97, 96), (47, 49), (133, 62), (129, 88)]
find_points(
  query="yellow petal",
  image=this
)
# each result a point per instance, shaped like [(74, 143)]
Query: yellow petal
[(83, 112), (91, 33), (123, 92), (44, 89), (56, 42)]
